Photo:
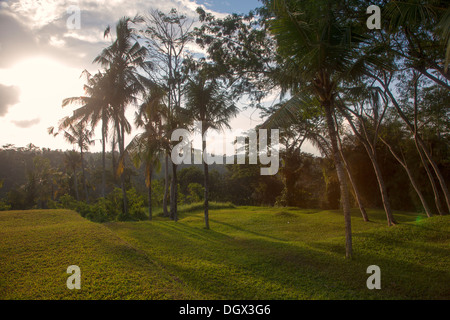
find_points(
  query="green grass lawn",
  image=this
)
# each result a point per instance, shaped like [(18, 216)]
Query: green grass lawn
[(249, 253)]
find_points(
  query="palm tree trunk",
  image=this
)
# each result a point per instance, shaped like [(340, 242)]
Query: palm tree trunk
[(173, 194), (166, 186), (206, 173), (76, 184), (345, 201), (121, 141), (103, 157), (113, 159), (150, 215), (84, 177)]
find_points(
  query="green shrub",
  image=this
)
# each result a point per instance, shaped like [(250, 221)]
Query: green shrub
[(4, 206), (99, 211), (196, 192), (136, 206)]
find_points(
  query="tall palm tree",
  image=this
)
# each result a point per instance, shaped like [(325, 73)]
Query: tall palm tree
[(208, 103), (146, 147), (319, 50), (95, 108), (123, 60)]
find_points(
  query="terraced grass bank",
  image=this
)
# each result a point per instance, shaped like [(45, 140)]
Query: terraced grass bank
[(37, 247), (249, 253)]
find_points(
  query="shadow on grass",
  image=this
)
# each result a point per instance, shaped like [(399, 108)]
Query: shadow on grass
[(246, 230), (264, 267)]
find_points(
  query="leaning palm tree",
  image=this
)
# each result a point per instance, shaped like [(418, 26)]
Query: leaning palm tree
[(122, 60), (208, 103), (319, 52)]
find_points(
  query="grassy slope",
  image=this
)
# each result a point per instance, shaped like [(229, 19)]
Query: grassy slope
[(250, 253), (36, 247), (269, 253)]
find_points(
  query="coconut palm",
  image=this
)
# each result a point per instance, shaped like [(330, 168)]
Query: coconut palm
[(81, 137), (146, 147), (123, 60), (319, 48), (95, 108), (208, 103)]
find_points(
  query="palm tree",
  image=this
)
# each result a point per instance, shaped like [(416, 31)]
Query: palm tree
[(122, 61), (78, 135), (319, 51), (72, 162), (95, 108), (208, 103), (147, 146)]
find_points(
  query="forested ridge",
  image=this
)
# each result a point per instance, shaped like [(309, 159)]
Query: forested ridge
[(304, 180)]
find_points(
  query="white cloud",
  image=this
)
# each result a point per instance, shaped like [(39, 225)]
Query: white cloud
[(41, 56)]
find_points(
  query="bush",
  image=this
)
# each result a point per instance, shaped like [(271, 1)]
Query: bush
[(99, 211), (136, 205), (4, 206), (196, 192)]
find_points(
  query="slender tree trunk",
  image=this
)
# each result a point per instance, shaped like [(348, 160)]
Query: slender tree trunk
[(352, 180), (84, 177), (416, 131), (382, 185), (166, 186), (345, 201), (436, 169), (411, 178), (356, 191), (150, 215), (113, 159), (103, 157), (371, 152), (421, 143), (121, 140), (173, 194), (437, 198), (76, 184), (206, 173)]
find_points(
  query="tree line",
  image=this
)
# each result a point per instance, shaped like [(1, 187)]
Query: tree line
[(374, 102)]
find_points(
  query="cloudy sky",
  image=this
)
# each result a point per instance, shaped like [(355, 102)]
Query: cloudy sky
[(43, 53)]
